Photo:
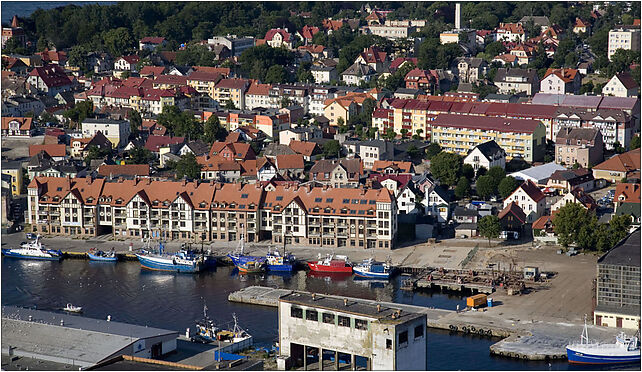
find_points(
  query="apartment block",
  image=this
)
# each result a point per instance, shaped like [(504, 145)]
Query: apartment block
[(210, 211), (623, 37)]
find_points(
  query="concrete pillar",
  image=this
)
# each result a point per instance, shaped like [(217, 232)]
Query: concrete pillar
[(320, 359), (369, 364), (305, 358), (352, 362), (336, 360)]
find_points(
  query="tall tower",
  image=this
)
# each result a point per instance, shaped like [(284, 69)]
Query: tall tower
[(457, 16)]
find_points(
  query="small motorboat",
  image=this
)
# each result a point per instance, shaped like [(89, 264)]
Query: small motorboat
[(331, 264), (95, 255), (72, 309), (624, 350), (372, 269)]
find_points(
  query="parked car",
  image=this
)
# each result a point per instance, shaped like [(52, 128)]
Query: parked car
[(30, 235)]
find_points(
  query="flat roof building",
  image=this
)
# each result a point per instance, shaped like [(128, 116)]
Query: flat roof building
[(314, 327), (79, 341)]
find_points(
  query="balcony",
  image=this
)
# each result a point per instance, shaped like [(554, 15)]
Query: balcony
[(54, 213)]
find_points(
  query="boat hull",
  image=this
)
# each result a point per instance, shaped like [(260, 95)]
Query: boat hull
[(314, 266), (579, 357), (160, 264), (280, 268), (370, 275), (101, 258), (8, 253)]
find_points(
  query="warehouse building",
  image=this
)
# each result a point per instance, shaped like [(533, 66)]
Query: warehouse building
[(78, 341), (340, 332), (618, 285)]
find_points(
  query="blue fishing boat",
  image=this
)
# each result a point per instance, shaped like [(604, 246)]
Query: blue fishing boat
[(277, 262), (624, 350), (101, 256), (372, 269), (33, 250), (239, 257), (183, 261)]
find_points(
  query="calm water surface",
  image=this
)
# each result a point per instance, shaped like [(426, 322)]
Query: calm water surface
[(25, 8), (175, 301)]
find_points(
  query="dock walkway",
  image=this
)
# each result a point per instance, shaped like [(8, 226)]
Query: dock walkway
[(522, 339)]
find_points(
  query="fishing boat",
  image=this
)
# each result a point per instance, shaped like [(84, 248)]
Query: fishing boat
[(237, 335), (331, 264), (372, 269), (206, 330), (624, 350), (183, 261), (249, 267), (277, 262), (95, 255), (72, 309), (33, 250), (238, 256)]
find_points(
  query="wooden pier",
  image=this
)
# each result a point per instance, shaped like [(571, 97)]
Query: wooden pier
[(521, 340)]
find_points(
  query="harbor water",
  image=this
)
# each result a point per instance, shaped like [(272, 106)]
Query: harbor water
[(175, 301)]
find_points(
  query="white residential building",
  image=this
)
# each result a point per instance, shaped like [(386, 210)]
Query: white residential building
[(621, 85), (530, 198), (487, 155), (624, 37), (116, 131)]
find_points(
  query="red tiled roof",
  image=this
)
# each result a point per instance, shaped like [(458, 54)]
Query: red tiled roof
[(566, 74), (132, 59), (170, 79), (25, 123), (232, 83), (270, 34), (154, 143), (515, 210), (309, 31), (259, 89), (52, 150), (225, 71), (485, 123), (380, 165), (51, 75), (152, 70), (303, 147), (627, 162), (627, 80), (541, 222), (629, 191), (107, 170), (293, 161), (152, 40), (532, 190), (373, 55), (397, 62)]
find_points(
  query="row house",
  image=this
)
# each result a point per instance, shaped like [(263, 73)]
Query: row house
[(342, 173), (209, 211), (583, 146), (518, 137), (414, 116)]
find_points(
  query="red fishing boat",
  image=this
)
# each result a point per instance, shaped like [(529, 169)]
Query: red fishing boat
[(331, 264)]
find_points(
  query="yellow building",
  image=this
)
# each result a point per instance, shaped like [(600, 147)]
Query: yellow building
[(231, 90), (203, 82), (339, 108), (14, 170), (520, 138)]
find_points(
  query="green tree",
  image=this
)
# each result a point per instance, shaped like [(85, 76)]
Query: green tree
[(432, 150), (180, 123), (485, 186), (495, 48), (140, 155), (213, 130), (135, 123), (331, 149), (481, 171), (95, 152), (118, 41), (188, 167), (497, 173), (507, 186), (413, 152), (468, 171), (568, 223), (390, 134), (462, 189), (276, 74), (229, 105), (489, 227), (446, 167), (635, 142), (81, 111)]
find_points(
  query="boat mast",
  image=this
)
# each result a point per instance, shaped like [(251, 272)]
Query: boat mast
[(584, 339)]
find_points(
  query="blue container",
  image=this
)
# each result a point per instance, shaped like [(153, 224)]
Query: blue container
[(489, 302)]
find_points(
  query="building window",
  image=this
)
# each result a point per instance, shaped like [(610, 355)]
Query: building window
[(328, 318), (419, 331), (312, 315), (361, 324), (344, 321), (403, 338), (388, 344), (296, 312)]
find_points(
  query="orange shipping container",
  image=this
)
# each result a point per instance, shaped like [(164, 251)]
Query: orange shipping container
[(476, 300)]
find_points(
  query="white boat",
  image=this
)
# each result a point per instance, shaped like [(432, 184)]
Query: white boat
[(33, 250), (72, 309), (624, 350)]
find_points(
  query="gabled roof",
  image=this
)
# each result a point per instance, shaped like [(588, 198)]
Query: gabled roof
[(25, 123), (489, 149), (531, 190), (402, 166), (270, 34), (542, 222), (487, 123), (303, 147), (51, 75), (629, 191), (232, 84), (294, 161), (152, 40), (131, 59), (53, 150), (107, 170), (627, 162), (567, 75), (627, 80), (514, 209), (154, 143), (309, 31), (152, 70), (373, 55), (359, 70)]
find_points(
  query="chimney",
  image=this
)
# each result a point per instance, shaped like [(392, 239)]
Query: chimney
[(314, 296), (457, 16), (345, 302), (378, 308)]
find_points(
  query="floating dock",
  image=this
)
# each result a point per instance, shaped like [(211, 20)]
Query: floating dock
[(521, 339)]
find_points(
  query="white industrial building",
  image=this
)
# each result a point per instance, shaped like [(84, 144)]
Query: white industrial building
[(78, 341), (342, 332)]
